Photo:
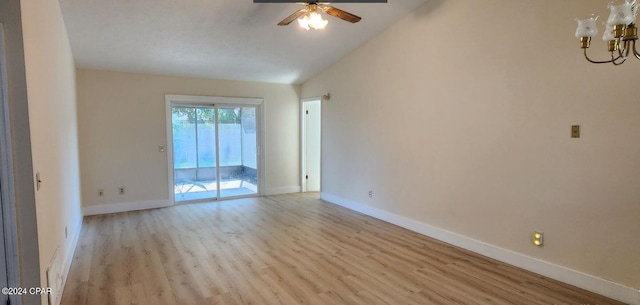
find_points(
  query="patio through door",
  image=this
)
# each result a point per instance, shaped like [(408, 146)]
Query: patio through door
[(215, 151)]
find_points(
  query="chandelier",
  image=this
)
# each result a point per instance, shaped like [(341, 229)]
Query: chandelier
[(620, 32)]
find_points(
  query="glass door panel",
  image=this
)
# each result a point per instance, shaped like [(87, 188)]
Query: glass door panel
[(194, 153), (238, 172)]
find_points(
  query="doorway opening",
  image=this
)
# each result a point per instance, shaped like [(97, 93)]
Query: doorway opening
[(311, 131), (214, 147)]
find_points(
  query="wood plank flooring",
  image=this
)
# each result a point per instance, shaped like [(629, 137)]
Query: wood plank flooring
[(287, 249)]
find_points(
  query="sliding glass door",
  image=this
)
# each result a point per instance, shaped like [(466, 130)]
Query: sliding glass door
[(194, 152), (238, 151), (214, 151)]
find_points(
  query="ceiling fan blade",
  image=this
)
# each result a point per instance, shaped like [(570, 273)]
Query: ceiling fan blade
[(336, 12), (293, 16)]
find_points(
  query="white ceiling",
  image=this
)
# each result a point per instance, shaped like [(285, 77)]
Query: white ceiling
[(222, 39)]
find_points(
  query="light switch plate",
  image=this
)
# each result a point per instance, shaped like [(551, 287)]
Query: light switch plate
[(575, 131)]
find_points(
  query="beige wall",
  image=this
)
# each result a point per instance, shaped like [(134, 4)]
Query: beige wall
[(50, 75), (122, 121), (459, 117)]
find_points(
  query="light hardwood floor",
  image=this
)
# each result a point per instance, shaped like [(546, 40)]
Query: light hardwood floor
[(287, 249)]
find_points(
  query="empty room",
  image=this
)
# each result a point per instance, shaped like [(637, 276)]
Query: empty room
[(342, 152)]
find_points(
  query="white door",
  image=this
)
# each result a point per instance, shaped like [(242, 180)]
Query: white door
[(311, 144)]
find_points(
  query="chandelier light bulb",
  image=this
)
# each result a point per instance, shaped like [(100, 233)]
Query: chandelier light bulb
[(587, 27), (621, 12)]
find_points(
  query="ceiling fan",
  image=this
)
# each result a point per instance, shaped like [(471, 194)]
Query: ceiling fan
[(308, 17)]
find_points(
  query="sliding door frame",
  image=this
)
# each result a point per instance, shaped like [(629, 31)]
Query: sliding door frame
[(215, 101)]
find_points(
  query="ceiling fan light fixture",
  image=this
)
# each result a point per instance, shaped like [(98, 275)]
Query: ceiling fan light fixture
[(312, 20)]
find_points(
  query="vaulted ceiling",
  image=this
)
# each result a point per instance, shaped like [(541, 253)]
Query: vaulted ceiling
[(222, 39)]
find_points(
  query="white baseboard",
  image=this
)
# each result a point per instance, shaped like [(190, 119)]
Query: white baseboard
[(282, 190), (125, 207), (576, 278), (69, 254)]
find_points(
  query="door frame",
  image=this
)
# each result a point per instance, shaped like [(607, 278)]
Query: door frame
[(200, 100), (7, 187), (303, 142)]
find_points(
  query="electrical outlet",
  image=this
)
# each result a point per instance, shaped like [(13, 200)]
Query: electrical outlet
[(370, 193), (101, 192), (121, 190), (538, 239)]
